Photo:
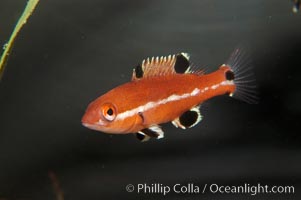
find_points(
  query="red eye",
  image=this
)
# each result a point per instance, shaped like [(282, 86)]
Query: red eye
[(109, 112)]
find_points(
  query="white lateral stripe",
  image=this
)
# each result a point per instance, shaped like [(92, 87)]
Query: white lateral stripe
[(153, 104), (227, 82), (171, 98), (223, 83)]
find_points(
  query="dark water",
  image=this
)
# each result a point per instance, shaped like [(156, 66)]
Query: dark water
[(70, 52)]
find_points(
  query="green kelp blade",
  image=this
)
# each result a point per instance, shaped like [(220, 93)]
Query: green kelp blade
[(31, 4)]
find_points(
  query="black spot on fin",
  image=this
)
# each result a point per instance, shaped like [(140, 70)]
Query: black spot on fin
[(138, 71), (153, 131), (164, 65), (182, 63), (229, 75), (150, 133), (188, 119), (142, 137), (155, 66)]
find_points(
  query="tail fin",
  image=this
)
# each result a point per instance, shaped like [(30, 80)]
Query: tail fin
[(244, 80)]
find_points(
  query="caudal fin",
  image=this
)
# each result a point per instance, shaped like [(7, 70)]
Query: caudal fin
[(244, 77)]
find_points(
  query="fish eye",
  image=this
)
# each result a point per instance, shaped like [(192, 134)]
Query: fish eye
[(108, 111), (229, 75)]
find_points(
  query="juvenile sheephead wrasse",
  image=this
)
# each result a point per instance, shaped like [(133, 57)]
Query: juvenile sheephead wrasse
[(167, 89)]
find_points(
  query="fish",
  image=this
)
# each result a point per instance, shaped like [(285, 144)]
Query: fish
[(168, 89)]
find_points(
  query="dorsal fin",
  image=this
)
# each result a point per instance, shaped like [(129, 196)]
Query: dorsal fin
[(156, 66)]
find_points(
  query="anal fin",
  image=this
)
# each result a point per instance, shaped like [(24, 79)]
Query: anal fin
[(153, 131), (189, 118)]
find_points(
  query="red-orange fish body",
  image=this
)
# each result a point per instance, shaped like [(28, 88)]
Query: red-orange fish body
[(162, 90)]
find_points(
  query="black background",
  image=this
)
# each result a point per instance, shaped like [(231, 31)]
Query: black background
[(72, 51)]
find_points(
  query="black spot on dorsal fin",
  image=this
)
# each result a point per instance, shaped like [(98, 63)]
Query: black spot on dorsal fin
[(164, 65), (189, 118), (182, 63), (138, 71), (155, 66)]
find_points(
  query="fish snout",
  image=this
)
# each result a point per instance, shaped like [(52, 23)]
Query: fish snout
[(92, 121)]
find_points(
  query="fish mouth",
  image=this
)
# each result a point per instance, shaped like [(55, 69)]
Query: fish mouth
[(87, 125), (96, 127)]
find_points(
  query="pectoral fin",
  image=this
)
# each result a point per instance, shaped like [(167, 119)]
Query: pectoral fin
[(189, 118)]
